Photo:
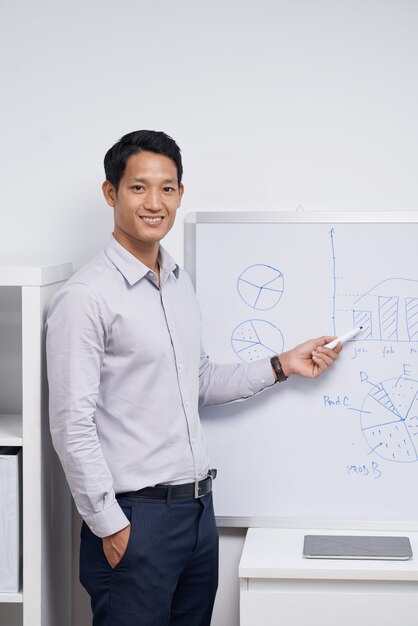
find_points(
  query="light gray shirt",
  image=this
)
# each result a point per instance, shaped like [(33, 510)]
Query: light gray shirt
[(126, 376)]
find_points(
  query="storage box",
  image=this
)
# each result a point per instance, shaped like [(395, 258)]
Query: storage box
[(9, 519)]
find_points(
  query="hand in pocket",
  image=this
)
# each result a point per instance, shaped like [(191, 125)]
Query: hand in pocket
[(114, 546)]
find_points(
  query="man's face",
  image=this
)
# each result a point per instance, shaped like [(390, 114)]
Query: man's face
[(146, 202)]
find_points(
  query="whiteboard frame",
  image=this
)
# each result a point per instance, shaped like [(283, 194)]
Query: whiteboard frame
[(191, 221), (286, 217)]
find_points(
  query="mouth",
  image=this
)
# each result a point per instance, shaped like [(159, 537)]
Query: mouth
[(152, 220)]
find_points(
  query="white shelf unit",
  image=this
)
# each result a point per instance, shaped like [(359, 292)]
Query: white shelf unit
[(11, 430), (45, 595)]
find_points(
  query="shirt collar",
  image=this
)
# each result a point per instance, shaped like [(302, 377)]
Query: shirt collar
[(132, 268)]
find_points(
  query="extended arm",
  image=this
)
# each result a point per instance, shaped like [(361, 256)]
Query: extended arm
[(224, 383)]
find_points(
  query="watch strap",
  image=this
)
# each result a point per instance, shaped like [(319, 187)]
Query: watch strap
[(278, 370)]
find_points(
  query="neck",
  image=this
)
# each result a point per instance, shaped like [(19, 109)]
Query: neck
[(147, 254)]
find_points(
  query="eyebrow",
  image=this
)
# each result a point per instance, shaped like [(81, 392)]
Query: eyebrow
[(143, 180)]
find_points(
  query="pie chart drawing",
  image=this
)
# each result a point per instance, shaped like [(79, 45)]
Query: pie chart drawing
[(256, 339), (261, 286), (389, 420)]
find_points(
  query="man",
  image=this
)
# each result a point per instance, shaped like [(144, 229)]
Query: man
[(126, 375)]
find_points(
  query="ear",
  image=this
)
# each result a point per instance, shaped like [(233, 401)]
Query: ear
[(181, 192), (109, 193)]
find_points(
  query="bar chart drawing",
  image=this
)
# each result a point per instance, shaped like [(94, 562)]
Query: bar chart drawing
[(388, 311), (389, 419)]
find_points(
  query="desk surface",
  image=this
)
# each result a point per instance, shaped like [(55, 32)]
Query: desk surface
[(277, 553)]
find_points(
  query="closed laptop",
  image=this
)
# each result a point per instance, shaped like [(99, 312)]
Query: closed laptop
[(356, 547)]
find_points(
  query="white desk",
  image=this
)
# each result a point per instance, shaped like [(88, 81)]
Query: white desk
[(279, 587)]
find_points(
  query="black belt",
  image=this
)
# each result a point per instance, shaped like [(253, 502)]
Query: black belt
[(189, 490)]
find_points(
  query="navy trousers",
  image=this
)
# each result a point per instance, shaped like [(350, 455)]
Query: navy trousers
[(169, 572)]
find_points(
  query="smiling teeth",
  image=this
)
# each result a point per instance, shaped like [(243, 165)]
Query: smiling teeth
[(152, 219)]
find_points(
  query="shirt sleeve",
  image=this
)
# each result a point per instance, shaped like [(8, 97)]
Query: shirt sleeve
[(75, 341), (224, 383)]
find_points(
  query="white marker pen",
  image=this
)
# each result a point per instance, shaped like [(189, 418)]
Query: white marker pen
[(344, 338)]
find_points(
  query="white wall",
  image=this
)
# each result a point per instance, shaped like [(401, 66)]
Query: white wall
[(276, 105)]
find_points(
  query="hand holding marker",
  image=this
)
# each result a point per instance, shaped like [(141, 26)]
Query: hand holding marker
[(344, 338)]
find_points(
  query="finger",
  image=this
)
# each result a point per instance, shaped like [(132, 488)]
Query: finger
[(327, 339), (332, 353), (320, 361), (324, 357), (318, 367), (321, 342)]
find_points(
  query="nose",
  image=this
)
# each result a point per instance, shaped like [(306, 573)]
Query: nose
[(153, 201)]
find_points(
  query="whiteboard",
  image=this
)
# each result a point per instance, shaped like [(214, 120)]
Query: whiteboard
[(341, 447)]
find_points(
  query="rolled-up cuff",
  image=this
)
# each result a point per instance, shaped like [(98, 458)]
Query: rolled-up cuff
[(260, 374), (108, 521)]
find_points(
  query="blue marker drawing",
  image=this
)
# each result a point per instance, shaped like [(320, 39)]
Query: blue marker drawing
[(411, 316), (389, 419), (261, 286), (388, 311), (334, 281), (256, 339)]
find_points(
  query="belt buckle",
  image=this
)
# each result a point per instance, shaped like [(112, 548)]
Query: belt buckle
[(211, 475), (197, 493)]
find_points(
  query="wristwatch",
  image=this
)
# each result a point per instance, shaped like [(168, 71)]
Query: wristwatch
[(278, 370)]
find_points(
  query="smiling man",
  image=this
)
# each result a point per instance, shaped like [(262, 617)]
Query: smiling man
[(145, 201), (127, 375)]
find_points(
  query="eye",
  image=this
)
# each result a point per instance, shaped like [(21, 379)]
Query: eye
[(137, 187), (169, 189)]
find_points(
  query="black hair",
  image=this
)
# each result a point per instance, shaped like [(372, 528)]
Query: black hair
[(135, 142)]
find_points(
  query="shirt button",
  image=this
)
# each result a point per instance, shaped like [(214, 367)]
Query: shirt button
[(91, 527), (180, 366), (187, 403), (263, 380)]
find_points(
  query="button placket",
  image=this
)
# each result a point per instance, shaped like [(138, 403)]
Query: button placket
[(181, 377)]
